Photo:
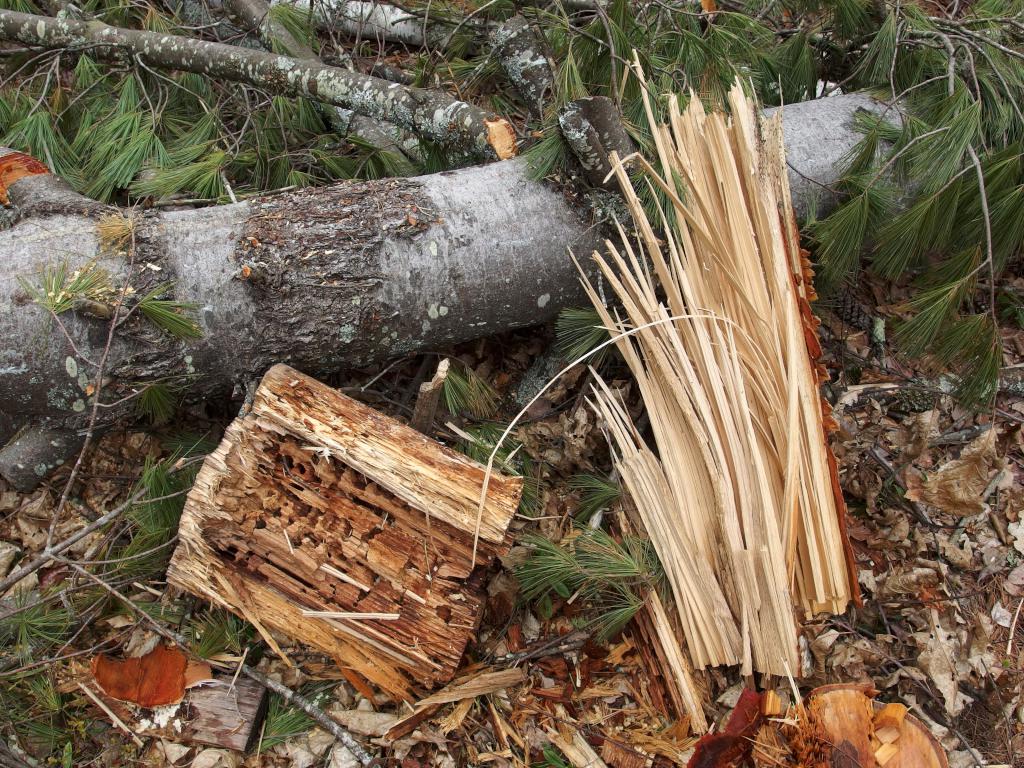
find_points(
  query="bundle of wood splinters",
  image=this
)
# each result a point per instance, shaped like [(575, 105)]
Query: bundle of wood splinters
[(739, 493)]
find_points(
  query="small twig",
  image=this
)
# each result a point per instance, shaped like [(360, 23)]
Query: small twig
[(1013, 627), (916, 508), (110, 713), (90, 431), (51, 552)]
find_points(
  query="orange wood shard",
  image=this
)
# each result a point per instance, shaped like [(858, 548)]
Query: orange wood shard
[(159, 678), (15, 166)]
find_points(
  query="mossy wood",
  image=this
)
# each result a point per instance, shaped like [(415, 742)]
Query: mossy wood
[(315, 502)]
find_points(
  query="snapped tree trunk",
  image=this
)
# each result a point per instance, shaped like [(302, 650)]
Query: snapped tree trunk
[(324, 279)]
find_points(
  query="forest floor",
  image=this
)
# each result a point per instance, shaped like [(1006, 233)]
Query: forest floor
[(935, 503)]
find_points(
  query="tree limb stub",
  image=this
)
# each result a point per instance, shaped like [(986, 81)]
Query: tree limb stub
[(431, 114), (520, 51), (324, 279)]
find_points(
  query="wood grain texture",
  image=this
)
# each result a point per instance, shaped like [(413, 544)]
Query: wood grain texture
[(316, 502), (219, 715)]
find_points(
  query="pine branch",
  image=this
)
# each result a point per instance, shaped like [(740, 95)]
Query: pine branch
[(431, 114)]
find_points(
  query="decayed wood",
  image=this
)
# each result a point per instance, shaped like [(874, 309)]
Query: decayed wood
[(226, 714), (315, 502)]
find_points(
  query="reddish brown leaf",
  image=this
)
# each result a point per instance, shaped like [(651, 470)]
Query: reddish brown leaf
[(15, 166)]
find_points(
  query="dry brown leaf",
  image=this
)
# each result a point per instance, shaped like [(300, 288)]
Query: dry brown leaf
[(939, 650), (958, 486)]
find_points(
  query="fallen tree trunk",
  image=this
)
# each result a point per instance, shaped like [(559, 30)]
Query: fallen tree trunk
[(431, 114), (324, 279)]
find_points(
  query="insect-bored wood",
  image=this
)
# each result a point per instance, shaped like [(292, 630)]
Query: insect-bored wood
[(315, 502)]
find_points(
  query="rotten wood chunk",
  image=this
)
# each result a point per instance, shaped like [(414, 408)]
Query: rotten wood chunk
[(222, 714), (315, 502)]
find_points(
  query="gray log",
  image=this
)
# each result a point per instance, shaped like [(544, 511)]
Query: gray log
[(338, 277), (593, 129), (372, 20)]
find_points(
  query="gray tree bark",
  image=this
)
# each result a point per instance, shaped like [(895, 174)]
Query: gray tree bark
[(431, 114), (324, 279), (374, 20), (521, 52), (593, 129)]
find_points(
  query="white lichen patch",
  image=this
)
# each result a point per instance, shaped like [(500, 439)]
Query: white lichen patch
[(543, 299), (162, 717), (71, 366)]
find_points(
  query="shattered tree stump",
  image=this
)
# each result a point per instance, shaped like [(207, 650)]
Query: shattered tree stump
[(315, 502)]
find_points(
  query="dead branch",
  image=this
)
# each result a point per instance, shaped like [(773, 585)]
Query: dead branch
[(431, 114)]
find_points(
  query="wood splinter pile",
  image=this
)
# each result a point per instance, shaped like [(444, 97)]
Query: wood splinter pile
[(739, 495)]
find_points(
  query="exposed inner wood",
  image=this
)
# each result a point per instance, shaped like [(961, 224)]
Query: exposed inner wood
[(740, 496), (314, 502)]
